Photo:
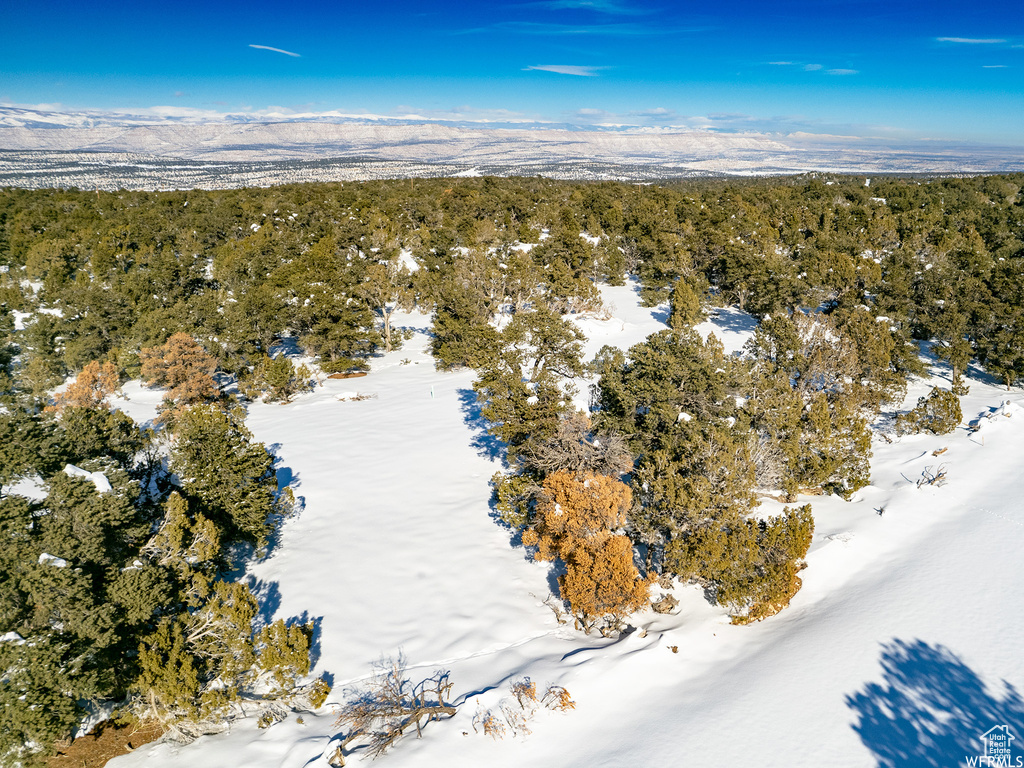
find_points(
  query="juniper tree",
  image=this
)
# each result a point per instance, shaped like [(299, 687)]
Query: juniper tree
[(670, 397), (386, 288), (462, 334), (42, 365), (576, 522), (39, 691), (521, 385), (276, 378), (752, 565), (65, 595), (684, 305), (231, 477), (938, 413), (96, 433), (325, 308), (91, 388), (30, 444), (183, 367), (809, 398), (188, 545), (199, 670)]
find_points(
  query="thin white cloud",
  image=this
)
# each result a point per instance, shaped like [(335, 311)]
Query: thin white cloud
[(52, 107), (972, 40), (812, 67), (993, 66), (628, 29), (598, 6), (275, 50), (464, 113), (842, 71), (566, 69), (658, 113), (782, 63)]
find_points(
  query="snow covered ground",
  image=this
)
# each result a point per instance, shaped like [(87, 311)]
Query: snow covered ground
[(397, 550)]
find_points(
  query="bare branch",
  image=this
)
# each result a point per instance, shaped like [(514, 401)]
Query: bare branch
[(390, 705)]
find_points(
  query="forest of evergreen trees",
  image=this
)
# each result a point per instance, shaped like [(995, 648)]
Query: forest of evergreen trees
[(121, 595)]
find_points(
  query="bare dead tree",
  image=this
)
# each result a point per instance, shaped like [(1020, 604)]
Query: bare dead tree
[(390, 704), (769, 460), (574, 448), (936, 478)]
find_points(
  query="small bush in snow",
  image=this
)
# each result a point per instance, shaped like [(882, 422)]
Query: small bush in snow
[(939, 414)]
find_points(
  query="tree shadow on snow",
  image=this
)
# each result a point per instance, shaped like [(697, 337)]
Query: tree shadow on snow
[(287, 346), (931, 710), (486, 444), (286, 478), (314, 639), (268, 595), (733, 320), (941, 369)]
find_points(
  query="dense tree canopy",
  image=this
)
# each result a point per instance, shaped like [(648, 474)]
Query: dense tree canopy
[(849, 284)]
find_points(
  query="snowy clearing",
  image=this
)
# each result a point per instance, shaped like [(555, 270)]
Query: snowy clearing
[(396, 549)]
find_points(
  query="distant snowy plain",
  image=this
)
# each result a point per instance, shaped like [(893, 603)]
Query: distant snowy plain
[(895, 652)]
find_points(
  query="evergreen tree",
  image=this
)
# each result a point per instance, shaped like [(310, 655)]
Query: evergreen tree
[(91, 387), (752, 565), (938, 413), (42, 366), (575, 522), (521, 384), (670, 398), (386, 288), (183, 367), (462, 335), (810, 398), (684, 306), (228, 475), (276, 378), (331, 318)]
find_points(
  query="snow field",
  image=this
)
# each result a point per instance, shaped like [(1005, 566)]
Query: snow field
[(396, 549)]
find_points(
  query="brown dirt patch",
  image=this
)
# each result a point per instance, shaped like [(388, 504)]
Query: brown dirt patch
[(356, 375), (104, 742)]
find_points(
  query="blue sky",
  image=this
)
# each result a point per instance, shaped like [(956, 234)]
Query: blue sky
[(900, 70)]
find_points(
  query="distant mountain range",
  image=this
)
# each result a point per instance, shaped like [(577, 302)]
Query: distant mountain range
[(150, 151)]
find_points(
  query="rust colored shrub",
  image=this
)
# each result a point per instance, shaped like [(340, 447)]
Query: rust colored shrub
[(575, 523), (90, 389), (182, 366)]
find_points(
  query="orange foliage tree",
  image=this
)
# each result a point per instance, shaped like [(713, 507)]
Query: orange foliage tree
[(182, 366), (574, 522), (90, 389)]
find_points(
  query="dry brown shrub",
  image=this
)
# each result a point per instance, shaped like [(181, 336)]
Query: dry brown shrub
[(574, 448), (525, 691), (90, 389), (557, 697), (574, 522), (182, 366), (573, 511), (489, 723), (390, 704)]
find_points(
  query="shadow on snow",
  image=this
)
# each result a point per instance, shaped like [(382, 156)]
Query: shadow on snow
[(486, 444), (931, 710)]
